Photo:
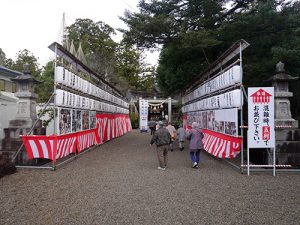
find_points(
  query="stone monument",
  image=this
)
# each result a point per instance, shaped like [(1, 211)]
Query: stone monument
[(286, 128), (26, 116)]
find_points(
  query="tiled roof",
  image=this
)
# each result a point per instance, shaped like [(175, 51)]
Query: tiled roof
[(9, 72)]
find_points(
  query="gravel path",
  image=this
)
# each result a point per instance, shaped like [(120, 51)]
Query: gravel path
[(119, 183)]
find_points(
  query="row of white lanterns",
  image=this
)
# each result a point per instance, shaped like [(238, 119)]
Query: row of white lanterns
[(68, 99), (71, 80), (232, 99), (228, 78)]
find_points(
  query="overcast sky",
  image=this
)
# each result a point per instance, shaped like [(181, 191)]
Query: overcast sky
[(35, 24)]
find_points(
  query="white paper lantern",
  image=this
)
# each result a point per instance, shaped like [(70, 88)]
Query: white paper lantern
[(76, 86), (93, 90), (60, 75), (80, 84), (67, 74), (232, 99), (59, 97), (101, 94), (236, 74), (83, 104), (66, 100), (80, 102), (87, 103), (66, 79), (88, 87), (71, 103), (83, 85)]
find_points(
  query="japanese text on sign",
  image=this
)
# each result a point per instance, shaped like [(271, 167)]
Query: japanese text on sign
[(261, 132)]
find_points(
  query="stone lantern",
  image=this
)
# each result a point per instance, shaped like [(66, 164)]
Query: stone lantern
[(26, 109), (286, 128), (280, 82), (26, 116)]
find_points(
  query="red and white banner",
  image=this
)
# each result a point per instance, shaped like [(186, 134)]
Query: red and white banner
[(53, 147), (85, 139), (221, 145), (49, 147), (39, 146), (101, 124), (109, 126), (66, 144), (218, 144)]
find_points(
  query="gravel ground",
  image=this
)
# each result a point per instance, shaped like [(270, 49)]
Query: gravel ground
[(119, 183)]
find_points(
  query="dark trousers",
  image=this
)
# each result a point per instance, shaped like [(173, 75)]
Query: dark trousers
[(195, 155), (162, 155)]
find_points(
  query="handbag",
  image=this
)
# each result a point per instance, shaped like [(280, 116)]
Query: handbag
[(173, 136)]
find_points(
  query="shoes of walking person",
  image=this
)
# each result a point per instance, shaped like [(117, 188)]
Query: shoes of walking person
[(171, 150), (161, 168), (195, 165)]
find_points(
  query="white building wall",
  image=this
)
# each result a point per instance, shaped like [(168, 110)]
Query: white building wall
[(8, 111)]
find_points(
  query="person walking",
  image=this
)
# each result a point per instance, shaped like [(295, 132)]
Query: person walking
[(152, 125), (195, 137), (172, 132), (162, 139), (181, 137)]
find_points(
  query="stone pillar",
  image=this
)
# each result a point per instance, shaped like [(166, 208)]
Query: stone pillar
[(169, 109)]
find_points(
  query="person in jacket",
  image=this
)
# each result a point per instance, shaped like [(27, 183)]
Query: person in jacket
[(195, 137), (181, 137), (152, 125), (162, 139), (172, 132)]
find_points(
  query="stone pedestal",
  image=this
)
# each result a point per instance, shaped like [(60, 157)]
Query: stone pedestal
[(12, 140), (288, 147)]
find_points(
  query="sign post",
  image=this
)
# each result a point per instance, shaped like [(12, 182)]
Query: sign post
[(143, 108), (261, 129)]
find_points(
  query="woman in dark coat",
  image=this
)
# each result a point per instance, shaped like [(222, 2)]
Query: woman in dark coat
[(195, 137)]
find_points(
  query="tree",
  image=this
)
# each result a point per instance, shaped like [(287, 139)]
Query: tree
[(2, 58), (187, 32), (5, 61), (23, 57), (147, 80), (130, 65), (46, 88), (97, 44), (163, 22), (195, 33), (120, 64)]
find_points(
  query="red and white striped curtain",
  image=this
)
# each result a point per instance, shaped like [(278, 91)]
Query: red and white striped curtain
[(218, 144), (49, 147), (54, 147), (85, 139), (221, 145), (110, 126)]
